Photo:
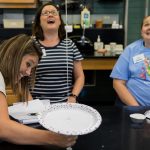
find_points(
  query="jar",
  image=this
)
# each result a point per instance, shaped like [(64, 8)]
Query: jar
[(99, 24)]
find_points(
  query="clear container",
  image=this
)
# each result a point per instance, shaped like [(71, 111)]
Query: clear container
[(85, 18), (98, 44)]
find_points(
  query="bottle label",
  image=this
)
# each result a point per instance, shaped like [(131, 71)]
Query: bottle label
[(85, 16), (85, 19)]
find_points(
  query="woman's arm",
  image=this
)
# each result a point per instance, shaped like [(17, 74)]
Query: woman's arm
[(17, 133), (123, 93), (78, 80)]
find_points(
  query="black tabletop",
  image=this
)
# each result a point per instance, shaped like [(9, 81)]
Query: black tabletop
[(117, 132)]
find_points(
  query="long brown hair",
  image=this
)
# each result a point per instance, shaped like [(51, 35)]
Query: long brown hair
[(11, 53), (37, 29)]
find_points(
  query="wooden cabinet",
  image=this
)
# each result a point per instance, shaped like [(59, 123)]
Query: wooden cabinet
[(101, 63), (98, 87), (18, 3), (11, 98)]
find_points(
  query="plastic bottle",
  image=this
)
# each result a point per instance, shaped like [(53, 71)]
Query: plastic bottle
[(98, 44), (85, 18)]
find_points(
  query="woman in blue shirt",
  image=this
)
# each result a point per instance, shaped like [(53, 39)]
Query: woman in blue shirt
[(131, 73)]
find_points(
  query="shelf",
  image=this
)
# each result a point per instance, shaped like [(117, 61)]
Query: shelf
[(8, 33), (107, 35)]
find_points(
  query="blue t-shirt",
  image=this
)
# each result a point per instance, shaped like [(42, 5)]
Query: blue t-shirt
[(134, 66)]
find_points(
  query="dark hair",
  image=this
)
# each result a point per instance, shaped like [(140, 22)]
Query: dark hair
[(11, 53), (36, 28)]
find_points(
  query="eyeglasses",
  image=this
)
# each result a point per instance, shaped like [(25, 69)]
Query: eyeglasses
[(47, 13)]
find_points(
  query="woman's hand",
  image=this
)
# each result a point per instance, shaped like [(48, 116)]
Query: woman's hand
[(63, 140), (71, 99)]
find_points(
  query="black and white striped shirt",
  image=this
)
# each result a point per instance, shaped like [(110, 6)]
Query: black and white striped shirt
[(54, 74)]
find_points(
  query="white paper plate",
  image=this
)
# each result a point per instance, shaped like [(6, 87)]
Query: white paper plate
[(70, 118), (147, 114)]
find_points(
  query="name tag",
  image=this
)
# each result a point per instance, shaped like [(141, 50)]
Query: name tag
[(138, 58), (44, 52)]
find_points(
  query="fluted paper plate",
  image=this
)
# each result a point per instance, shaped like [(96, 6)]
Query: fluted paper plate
[(147, 114), (70, 118)]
